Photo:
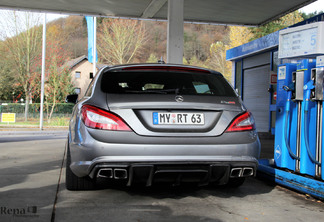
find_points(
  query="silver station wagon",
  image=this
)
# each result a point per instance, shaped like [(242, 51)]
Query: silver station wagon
[(160, 123)]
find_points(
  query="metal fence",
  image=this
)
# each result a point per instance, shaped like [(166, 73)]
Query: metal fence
[(60, 109)]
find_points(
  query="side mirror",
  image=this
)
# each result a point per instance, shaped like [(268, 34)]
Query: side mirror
[(72, 98)]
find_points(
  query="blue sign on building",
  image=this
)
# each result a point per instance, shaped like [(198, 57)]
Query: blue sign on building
[(258, 45)]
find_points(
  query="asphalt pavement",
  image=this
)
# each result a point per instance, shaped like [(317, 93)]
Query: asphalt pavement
[(32, 188), (31, 164)]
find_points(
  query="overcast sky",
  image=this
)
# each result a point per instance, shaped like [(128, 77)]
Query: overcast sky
[(315, 6)]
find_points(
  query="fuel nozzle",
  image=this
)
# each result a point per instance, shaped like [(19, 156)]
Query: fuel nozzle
[(308, 90), (290, 88), (309, 85)]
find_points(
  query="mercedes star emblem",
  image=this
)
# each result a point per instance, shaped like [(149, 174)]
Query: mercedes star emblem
[(179, 98)]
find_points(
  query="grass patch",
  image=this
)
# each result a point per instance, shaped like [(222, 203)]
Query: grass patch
[(59, 121), (55, 121)]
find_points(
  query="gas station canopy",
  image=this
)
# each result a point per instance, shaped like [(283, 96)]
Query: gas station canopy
[(244, 12)]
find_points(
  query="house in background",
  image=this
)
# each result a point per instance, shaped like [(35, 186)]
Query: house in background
[(81, 73)]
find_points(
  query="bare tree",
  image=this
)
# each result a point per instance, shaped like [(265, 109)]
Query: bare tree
[(58, 75), (22, 42), (218, 59), (120, 40)]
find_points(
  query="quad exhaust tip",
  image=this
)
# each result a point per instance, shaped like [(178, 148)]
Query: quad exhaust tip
[(241, 172), (105, 173), (120, 174), (247, 171), (112, 173), (236, 172)]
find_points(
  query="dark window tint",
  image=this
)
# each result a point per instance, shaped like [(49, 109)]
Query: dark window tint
[(147, 82)]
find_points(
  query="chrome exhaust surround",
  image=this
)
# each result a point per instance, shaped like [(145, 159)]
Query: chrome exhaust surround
[(111, 173), (105, 173), (120, 174), (247, 171), (241, 172), (236, 172)]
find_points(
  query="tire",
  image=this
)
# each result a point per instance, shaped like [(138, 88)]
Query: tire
[(73, 182), (235, 182)]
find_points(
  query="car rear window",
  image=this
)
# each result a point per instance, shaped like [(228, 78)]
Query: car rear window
[(159, 82)]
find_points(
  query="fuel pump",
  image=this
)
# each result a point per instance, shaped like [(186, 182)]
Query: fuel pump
[(317, 91), (299, 133), (314, 93), (286, 118), (308, 118), (297, 97)]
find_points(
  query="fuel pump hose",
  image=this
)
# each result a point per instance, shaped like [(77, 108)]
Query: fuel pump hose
[(286, 124), (308, 92)]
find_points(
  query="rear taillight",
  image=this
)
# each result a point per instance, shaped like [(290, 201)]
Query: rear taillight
[(243, 122), (96, 118)]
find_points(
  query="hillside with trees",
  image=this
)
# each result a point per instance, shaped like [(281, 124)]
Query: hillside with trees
[(118, 41)]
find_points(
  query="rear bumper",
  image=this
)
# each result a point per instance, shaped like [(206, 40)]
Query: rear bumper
[(208, 159), (175, 173), (84, 168), (175, 169)]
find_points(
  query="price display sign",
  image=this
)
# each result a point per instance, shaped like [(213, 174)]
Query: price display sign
[(301, 41)]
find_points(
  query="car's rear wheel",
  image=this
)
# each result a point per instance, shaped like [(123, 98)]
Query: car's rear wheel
[(73, 182), (235, 182)]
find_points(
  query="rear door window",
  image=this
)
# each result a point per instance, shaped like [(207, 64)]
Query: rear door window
[(166, 82)]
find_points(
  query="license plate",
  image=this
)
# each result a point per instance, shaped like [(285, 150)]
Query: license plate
[(160, 118)]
